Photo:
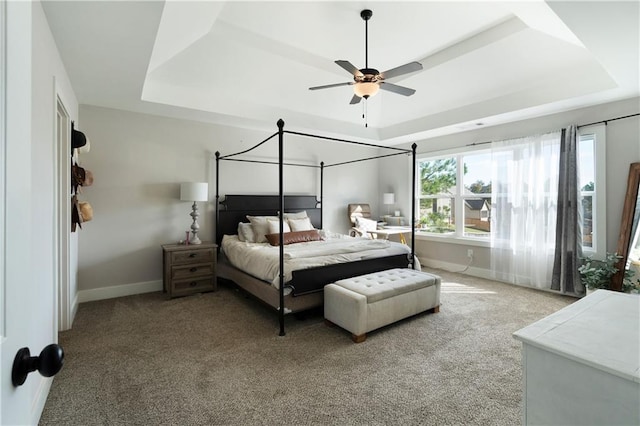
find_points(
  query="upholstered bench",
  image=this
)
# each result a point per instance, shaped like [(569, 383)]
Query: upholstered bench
[(367, 302)]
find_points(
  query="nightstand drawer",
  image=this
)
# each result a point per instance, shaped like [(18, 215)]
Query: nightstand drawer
[(193, 256), (189, 271), (193, 286)]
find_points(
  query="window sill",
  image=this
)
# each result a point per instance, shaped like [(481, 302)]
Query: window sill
[(450, 239)]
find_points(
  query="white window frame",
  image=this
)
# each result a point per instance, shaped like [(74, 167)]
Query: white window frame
[(598, 248), (458, 199), (599, 241)]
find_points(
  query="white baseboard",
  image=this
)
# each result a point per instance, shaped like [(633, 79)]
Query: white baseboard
[(118, 291), (454, 267), (151, 286)]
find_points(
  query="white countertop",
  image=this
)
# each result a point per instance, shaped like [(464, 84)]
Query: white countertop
[(601, 330)]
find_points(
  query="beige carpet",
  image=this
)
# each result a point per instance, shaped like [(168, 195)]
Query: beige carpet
[(217, 359)]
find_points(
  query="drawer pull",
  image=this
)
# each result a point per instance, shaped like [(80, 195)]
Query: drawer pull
[(192, 255), (193, 283), (193, 269)]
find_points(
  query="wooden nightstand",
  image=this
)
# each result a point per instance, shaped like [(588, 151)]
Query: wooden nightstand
[(188, 269)]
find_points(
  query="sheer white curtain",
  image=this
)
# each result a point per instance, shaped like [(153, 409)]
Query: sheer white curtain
[(523, 209)]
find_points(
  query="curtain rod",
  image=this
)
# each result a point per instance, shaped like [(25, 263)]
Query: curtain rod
[(607, 121), (580, 125)]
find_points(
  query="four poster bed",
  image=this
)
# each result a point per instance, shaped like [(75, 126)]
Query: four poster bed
[(290, 277)]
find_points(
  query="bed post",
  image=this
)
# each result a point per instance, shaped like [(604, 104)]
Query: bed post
[(281, 193), (217, 197), (321, 192), (413, 205)]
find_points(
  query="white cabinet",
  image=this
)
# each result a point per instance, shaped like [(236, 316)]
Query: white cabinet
[(581, 365)]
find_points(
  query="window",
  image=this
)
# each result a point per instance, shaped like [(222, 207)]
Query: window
[(437, 189), (449, 208), (476, 194), (587, 187), (455, 191), (591, 164)]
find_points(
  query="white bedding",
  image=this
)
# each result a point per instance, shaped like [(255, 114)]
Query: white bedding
[(262, 259)]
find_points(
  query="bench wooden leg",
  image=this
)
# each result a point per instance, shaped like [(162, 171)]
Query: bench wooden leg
[(436, 309), (359, 339)]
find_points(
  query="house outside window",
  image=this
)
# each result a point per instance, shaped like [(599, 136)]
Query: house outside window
[(454, 193)]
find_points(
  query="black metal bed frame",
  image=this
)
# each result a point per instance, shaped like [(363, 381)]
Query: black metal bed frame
[(282, 205)]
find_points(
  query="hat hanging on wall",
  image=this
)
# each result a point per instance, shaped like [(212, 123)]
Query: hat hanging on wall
[(86, 148), (78, 139)]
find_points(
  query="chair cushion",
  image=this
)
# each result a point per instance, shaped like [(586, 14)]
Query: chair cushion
[(358, 210), (366, 224)]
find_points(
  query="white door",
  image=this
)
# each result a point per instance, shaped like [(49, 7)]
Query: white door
[(21, 325), (14, 256)]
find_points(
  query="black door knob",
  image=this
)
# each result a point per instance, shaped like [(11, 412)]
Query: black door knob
[(48, 363)]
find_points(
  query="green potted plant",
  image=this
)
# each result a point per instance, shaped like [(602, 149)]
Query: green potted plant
[(596, 274), (629, 285)]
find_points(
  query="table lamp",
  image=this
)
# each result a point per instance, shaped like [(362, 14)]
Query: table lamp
[(194, 191), (388, 198)]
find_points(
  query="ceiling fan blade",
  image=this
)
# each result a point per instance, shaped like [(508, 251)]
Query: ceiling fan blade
[(327, 86), (351, 69), (401, 70), (401, 90), (355, 100)]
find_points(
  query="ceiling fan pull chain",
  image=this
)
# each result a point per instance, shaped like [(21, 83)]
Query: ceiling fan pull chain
[(364, 113)]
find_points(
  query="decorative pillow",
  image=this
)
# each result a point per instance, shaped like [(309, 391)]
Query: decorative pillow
[(245, 233), (294, 237), (274, 226), (298, 215), (260, 225), (300, 224), (365, 225)]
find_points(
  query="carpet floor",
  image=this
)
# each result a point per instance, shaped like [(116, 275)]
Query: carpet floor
[(216, 359)]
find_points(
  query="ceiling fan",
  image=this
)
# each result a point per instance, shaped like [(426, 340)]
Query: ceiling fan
[(367, 81)]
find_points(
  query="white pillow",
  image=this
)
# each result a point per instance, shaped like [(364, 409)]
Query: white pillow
[(274, 226), (260, 225), (245, 233), (299, 215), (301, 224), (365, 225)]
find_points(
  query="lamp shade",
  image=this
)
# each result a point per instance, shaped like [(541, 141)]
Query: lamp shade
[(194, 191), (365, 89), (388, 198)]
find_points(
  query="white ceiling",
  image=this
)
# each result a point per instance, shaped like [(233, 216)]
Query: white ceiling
[(251, 63)]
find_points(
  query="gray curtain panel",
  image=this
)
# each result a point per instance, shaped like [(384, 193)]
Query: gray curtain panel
[(568, 252)]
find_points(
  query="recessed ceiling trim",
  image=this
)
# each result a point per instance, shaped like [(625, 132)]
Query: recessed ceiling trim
[(477, 41), (182, 24)]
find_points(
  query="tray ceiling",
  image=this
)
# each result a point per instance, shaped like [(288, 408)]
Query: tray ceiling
[(250, 63)]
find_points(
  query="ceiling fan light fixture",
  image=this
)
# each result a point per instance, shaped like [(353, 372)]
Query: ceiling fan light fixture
[(366, 89)]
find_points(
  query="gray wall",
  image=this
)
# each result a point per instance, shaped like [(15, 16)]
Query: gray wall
[(622, 147), (139, 161)]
